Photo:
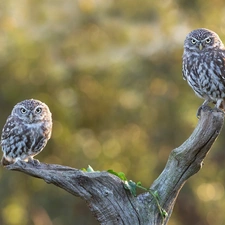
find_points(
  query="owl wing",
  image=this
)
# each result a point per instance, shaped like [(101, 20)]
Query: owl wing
[(184, 75), (8, 128), (219, 68), (184, 69)]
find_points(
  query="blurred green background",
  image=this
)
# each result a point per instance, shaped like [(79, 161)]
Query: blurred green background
[(110, 71)]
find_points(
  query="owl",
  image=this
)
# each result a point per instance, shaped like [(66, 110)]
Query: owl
[(204, 66), (26, 131)]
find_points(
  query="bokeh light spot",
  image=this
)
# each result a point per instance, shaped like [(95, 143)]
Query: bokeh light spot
[(158, 86), (111, 148), (14, 214), (130, 99), (210, 191)]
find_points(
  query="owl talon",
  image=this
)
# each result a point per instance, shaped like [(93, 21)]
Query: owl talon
[(218, 109), (34, 162), (198, 114), (204, 108), (20, 162)]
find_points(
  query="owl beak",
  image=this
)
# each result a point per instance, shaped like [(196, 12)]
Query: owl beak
[(200, 46), (31, 117)]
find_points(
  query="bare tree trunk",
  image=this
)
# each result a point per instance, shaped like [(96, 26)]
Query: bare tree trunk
[(105, 194)]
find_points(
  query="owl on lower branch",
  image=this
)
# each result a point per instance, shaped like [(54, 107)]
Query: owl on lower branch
[(26, 131), (204, 66)]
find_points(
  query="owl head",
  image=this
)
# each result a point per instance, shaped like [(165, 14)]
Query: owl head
[(202, 39), (32, 111)]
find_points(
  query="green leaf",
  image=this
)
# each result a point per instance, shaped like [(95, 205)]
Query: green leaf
[(164, 213), (139, 183), (83, 169), (131, 186), (113, 172), (90, 169), (121, 175)]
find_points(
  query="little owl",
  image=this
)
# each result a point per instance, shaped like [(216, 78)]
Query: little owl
[(26, 131), (204, 66)]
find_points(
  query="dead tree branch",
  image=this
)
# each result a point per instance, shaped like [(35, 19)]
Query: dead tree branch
[(105, 194)]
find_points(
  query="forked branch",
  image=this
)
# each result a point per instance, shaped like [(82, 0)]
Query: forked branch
[(105, 194)]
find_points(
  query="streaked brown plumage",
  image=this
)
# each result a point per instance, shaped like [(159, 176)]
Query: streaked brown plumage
[(204, 65), (26, 131)]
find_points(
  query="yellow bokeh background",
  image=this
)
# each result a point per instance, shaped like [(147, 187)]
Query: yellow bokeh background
[(110, 72)]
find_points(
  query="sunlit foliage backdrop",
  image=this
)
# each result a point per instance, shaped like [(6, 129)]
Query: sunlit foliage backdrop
[(110, 72)]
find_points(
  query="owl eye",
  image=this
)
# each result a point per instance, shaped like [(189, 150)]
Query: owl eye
[(23, 110), (208, 40), (193, 41), (38, 110)]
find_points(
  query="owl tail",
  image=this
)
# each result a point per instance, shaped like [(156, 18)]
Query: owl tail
[(5, 162)]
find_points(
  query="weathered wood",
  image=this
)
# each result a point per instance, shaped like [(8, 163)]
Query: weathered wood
[(104, 193)]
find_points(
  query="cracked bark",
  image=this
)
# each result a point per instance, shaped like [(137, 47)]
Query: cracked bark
[(104, 193)]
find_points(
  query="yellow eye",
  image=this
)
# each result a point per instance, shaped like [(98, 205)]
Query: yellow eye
[(208, 40), (38, 110), (23, 110), (193, 41)]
